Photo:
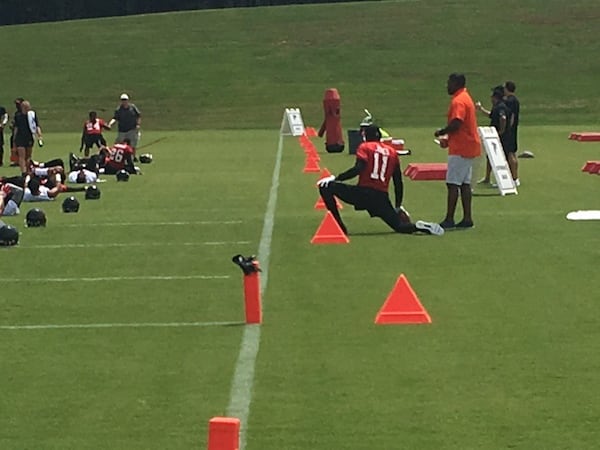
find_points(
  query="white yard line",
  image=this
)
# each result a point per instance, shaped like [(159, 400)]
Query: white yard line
[(243, 378), (151, 224), (135, 244), (93, 279), (117, 325)]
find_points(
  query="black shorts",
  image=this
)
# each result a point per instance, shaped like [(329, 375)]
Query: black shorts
[(509, 143), (376, 203), (23, 141), (91, 139)]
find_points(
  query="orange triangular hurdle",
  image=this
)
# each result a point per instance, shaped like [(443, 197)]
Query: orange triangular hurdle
[(321, 204), (402, 306), (329, 232), (325, 173), (311, 165), (313, 154), (310, 149)]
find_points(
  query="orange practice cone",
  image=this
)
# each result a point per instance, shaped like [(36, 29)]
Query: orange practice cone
[(402, 306), (314, 155), (321, 204), (311, 165), (325, 172), (224, 433), (310, 132), (304, 140), (311, 150), (329, 232)]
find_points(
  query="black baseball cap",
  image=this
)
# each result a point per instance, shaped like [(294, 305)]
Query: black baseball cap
[(498, 91), (372, 133)]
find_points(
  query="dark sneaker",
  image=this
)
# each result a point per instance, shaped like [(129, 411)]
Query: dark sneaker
[(73, 160), (464, 224), (447, 224)]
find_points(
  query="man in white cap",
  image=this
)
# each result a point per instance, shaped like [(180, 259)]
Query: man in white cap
[(129, 118)]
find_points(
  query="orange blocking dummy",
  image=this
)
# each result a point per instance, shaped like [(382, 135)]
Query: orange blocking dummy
[(332, 123)]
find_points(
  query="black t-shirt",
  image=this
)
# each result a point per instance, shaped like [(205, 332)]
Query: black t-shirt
[(127, 117), (22, 125), (512, 102), (499, 110)]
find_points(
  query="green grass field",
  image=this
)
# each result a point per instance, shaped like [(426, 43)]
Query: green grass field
[(510, 360)]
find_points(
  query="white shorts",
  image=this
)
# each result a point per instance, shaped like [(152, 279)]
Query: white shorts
[(460, 170)]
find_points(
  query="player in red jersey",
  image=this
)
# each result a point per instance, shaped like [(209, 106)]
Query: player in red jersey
[(92, 133), (376, 164), (118, 157)]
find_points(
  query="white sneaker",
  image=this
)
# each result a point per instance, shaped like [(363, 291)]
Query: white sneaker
[(517, 182), (430, 227)]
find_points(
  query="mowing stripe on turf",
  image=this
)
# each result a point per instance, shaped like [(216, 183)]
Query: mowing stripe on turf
[(50, 326), (243, 377), (93, 279), (151, 224), (135, 244)]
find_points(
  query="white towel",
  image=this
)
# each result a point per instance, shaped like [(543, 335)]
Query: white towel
[(32, 122)]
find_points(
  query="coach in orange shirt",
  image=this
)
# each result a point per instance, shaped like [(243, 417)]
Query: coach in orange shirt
[(464, 146)]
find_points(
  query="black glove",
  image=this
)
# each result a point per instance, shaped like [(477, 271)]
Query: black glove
[(246, 264)]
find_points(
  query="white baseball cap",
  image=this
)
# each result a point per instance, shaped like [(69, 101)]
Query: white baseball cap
[(124, 96)]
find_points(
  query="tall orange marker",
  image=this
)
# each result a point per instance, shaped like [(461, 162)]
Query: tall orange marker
[(224, 433), (252, 298)]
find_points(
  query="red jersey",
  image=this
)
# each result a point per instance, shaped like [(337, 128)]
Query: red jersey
[(381, 160), (94, 127), (119, 155)]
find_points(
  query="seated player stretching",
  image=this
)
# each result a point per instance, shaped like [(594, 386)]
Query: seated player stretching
[(109, 160), (376, 163)]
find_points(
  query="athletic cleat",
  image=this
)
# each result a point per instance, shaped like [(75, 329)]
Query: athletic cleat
[(464, 224), (447, 224), (73, 160), (430, 227)]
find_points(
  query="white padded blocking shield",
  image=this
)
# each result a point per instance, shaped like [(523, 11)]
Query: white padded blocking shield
[(292, 123), (495, 153)]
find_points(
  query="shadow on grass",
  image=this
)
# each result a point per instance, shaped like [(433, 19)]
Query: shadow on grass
[(486, 194), (371, 233), (233, 324)]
